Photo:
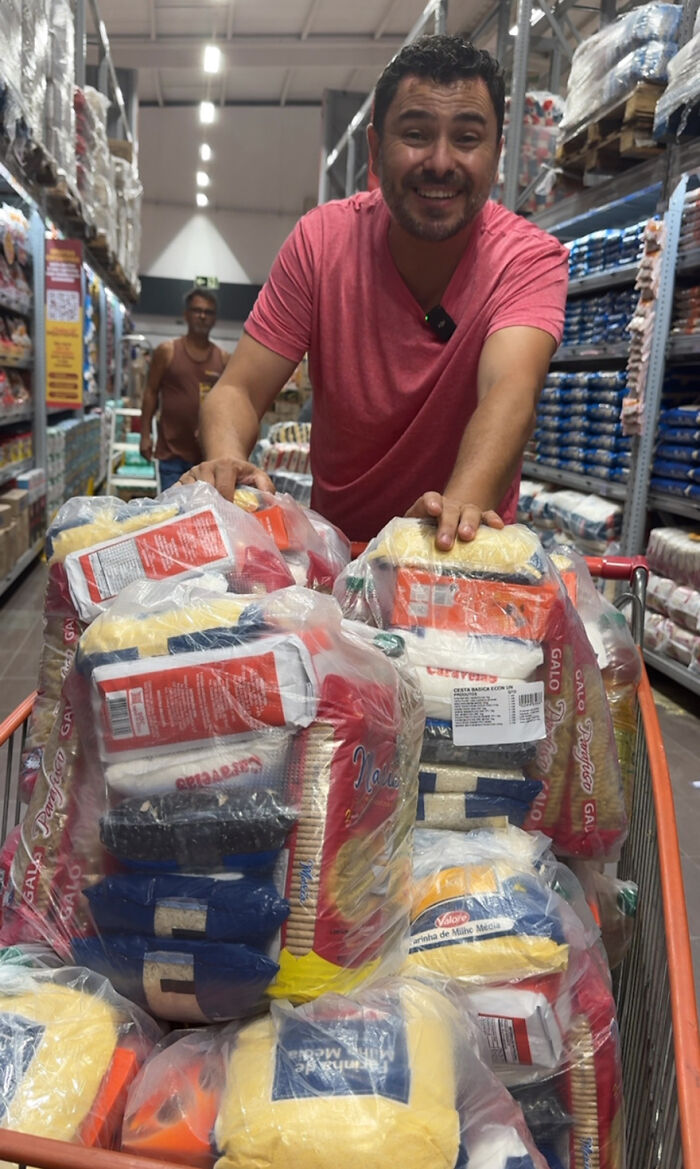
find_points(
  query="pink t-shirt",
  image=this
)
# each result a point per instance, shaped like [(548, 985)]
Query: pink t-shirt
[(391, 400)]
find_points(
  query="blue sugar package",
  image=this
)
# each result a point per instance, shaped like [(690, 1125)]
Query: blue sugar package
[(675, 487), (682, 471), (609, 458), (679, 435), (604, 413), (678, 454), (610, 442), (681, 416)]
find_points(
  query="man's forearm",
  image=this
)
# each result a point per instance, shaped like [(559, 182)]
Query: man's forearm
[(491, 450), (228, 424)]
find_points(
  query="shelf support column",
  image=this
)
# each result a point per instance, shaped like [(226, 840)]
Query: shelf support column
[(517, 105), (37, 244)]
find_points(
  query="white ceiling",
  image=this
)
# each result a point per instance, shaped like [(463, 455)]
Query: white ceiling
[(280, 51)]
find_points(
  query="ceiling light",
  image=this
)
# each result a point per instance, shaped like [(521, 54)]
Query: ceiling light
[(212, 59), (202, 178), (205, 152), (206, 112), (202, 199)]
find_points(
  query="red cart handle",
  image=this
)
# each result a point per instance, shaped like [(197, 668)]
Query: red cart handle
[(615, 567)]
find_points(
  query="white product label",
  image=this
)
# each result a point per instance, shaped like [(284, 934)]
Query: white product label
[(508, 712), (499, 1033), (596, 639)]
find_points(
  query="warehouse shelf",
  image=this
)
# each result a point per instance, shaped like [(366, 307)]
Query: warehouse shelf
[(675, 504), (588, 483), (24, 561), (684, 346), (12, 470), (10, 418), (7, 362), (615, 351), (11, 308), (675, 670), (614, 278), (688, 259)]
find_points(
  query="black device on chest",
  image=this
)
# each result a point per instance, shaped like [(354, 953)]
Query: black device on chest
[(440, 322)]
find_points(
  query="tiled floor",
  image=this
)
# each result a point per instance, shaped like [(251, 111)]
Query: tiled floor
[(20, 647)]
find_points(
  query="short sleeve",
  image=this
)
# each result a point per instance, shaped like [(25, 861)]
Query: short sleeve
[(282, 314), (533, 289)]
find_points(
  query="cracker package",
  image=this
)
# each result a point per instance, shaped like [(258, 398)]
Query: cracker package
[(314, 550), (71, 1047), (517, 723), (386, 1076), (96, 545), (247, 778), (493, 910)]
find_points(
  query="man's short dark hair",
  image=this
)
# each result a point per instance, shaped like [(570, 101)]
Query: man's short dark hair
[(444, 60), (205, 293)]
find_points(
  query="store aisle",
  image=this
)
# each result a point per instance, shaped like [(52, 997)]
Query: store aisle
[(21, 626)]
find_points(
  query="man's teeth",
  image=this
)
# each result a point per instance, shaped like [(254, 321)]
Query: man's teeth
[(440, 194)]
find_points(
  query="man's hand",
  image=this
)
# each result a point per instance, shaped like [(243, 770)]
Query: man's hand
[(454, 518), (226, 474), (146, 447)]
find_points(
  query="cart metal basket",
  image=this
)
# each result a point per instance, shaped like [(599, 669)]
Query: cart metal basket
[(655, 991)]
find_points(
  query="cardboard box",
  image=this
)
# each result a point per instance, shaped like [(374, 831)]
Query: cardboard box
[(17, 499), (6, 515)]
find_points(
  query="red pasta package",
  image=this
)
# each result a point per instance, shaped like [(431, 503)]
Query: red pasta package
[(314, 550)]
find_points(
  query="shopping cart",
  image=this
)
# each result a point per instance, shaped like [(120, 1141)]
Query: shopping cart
[(655, 991)]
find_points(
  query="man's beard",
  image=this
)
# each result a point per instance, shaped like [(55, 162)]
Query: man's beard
[(424, 228)]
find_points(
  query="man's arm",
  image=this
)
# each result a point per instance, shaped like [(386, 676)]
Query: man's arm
[(230, 415), (159, 363), (512, 369)]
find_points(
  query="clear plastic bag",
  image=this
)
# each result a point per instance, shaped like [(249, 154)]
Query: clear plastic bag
[(509, 680), (71, 1047), (315, 551)]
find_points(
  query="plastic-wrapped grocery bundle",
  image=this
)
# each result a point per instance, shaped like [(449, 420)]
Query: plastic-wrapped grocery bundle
[(34, 65), (97, 544), (541, 116), (387, 1076), (617, 656), (242, 765), (649, 62), (675, 552), (613, 904), (59, 132), (102, 211), (679, 602), (671, 640), (10, 53), (71, 1047), (314, 550), (514, 698), (488, 910), (608, 249), (595, 61), (682, 92), (128, 218)]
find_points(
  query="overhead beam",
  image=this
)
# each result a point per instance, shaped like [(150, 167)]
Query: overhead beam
[(254, 52)]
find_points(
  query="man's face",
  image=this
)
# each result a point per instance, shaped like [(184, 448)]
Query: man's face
[(200, 316), (437, 156)]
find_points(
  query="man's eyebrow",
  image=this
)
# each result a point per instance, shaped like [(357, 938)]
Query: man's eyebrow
[(421, 115)]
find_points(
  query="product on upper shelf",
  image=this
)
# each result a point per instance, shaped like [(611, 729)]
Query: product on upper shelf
[(675, 553), (605, 250), (71, 1047), (509, 681), (542, 113), (676, 103), (636, 47)]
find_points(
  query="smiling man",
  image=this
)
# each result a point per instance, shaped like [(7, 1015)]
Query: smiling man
[(429, 313)]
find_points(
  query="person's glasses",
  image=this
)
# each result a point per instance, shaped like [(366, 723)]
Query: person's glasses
[(202, 312)]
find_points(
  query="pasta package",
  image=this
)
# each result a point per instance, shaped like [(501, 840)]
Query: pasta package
[(385, 1076), (314, 550), (70, 1049), (508, 678)]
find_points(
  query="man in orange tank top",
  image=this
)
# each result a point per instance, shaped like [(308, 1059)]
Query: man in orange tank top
[(181, 373)]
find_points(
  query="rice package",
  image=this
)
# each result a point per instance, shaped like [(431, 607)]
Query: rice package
[(315, 551), (387, 1076), (246, 780), (488, 910), (96, 545), (517, 723), (70, 1048)]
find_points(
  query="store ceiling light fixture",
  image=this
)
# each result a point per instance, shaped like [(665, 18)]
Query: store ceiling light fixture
[(534, 17), (212, 59), (205, 152), (202, 178), (202, 199), (206, 112)]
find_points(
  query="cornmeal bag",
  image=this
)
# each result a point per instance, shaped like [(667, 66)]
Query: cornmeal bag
[(173, 1103), (386, 1076), (488, 910), (96, 545), (70, 1048), (314, 550), (617, 656), (510, 683)]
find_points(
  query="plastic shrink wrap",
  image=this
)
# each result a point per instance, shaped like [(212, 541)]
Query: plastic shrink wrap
[(10, 53), (517, 720), (637, 46), (95, 545), (59, 132), (70, 1048), (314, 550), (243, 765), (683, 89), (34, 64), (492, 909)]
